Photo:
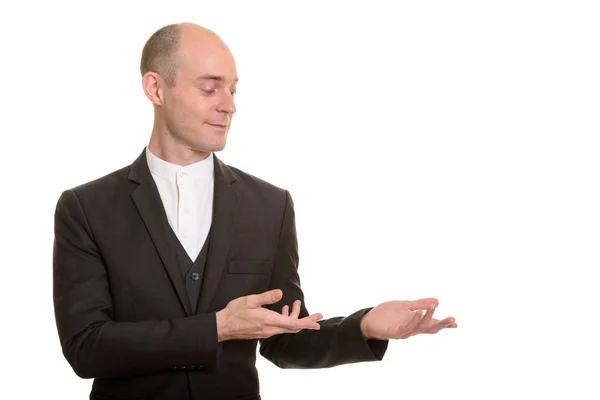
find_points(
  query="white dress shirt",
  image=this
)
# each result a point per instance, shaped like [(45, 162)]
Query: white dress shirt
[(187, 195)]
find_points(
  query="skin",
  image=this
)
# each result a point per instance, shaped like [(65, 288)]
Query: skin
[(191, 120)]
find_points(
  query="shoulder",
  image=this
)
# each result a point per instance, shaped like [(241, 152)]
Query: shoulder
[(259, 190), (256, 184), (111, 180), (102, 190)]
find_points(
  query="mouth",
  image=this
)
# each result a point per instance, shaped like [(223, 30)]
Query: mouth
[(218, 126)]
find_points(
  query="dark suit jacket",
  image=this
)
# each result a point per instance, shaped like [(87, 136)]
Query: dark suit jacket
[(122, 312)]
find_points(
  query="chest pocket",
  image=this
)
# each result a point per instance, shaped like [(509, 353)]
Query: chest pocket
[(245, 277)]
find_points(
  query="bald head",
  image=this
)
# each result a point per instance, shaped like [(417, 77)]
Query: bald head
[(190, 76), (161, 51)]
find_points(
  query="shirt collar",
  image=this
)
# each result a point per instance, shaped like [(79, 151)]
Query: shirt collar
[(178, 174)]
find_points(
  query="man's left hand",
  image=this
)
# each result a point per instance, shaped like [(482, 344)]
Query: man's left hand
[(399, 319)]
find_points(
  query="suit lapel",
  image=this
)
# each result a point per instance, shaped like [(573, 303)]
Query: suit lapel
[(225, 206), (149, 205)]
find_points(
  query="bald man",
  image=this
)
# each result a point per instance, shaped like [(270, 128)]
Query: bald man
[(168, 272)]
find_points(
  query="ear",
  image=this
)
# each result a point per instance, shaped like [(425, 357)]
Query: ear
[(154, 85)]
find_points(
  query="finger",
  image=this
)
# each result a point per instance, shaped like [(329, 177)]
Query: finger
[(436, 325), (315, 326), (275, 331), (269, 297), (423, 325), (423, 304), (284, 310), (314, 317), (296, 309), (289, 323), (311, 321), (406, 331), (298, 324), (414, 323)]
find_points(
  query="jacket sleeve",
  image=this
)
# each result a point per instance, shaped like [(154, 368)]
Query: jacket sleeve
[(339, 341), (92, 342)]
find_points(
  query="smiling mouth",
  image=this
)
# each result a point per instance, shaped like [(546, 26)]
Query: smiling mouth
[(222, 126)]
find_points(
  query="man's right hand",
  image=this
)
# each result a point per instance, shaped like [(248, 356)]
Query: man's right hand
[(245, 318)]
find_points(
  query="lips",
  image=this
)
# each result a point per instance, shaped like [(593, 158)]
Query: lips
[(221, 125)]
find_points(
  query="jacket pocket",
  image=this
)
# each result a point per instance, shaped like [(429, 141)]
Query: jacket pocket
[(249, 267)]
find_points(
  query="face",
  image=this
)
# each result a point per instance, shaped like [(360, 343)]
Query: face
[(197, 111)]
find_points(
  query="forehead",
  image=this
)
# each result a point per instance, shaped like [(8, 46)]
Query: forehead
[(206, 56)]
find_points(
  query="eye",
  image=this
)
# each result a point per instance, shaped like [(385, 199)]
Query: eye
[(233, 93), (209, 91)]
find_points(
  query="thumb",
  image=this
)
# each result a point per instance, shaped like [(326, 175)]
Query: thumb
[(423, 304), (270, 297)]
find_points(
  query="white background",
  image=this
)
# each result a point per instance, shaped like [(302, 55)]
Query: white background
[(432, 148)]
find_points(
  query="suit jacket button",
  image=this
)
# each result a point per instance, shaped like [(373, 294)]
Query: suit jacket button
[(195, 276), (200, 366)]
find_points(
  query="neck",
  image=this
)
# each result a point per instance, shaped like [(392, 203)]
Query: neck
[(163, 145)]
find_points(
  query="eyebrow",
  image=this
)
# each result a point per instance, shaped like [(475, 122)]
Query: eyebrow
[(214, 78)]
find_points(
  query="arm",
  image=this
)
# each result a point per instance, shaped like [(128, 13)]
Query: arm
[(339, 341), (93, 343)]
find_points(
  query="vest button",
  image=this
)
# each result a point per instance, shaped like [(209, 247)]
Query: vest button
[(195, 276)]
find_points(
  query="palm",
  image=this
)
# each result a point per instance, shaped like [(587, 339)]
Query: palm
[(389, 315), (399, 319)]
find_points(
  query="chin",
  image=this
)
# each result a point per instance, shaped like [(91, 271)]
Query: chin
[(211, 147), (220, 144), (217, 148)]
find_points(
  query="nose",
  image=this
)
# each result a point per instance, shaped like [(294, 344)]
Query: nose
[(227, 103)]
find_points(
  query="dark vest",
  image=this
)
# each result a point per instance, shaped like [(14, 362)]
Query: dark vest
[(192, 272)]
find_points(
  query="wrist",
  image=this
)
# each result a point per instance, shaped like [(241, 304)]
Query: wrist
[(363, 328), (221, 326)]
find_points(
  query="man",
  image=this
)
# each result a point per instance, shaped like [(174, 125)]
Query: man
[(168, 272)]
